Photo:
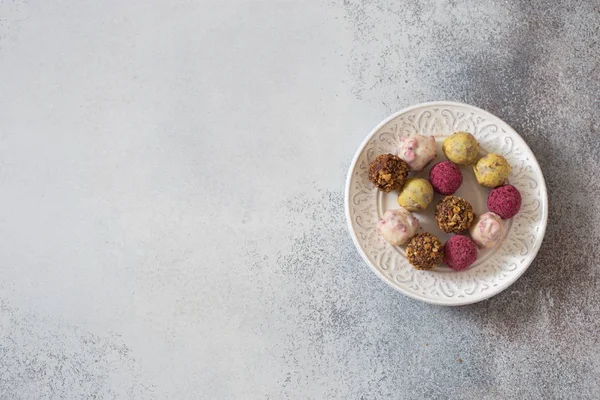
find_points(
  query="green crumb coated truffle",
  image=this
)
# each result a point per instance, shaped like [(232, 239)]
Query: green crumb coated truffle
[(461, 148), (491, 170), (416, 195)]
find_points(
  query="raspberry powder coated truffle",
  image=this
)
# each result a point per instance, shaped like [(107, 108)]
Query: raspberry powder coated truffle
[(460, 252), (445, 177), (505, 201)]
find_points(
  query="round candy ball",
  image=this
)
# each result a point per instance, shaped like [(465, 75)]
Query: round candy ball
[(487, 230), (461, 148), (445, 177), (397, 226), (453, 214), (460, 252), (416, 195), (424, 251), (505, 201), (417, 151), (491, 170), (388, 172)]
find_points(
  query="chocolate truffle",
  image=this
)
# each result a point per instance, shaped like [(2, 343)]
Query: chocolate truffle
[(445, 177), (505, 201), (417, 151), (459, 252), (424, 251), (416, 195), (487, 230), (461, 148), (453, 214), (397, 226), (491, 170), (388, 172)]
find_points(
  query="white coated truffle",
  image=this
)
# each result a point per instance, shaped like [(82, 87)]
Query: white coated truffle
[(397, 226), (417, 151), (488, 230)]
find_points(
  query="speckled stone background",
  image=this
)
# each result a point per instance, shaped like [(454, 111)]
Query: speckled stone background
[(171, 208)]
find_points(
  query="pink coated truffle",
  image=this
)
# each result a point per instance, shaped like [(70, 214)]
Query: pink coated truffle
[(504, 201), (445, 177), (460, 252)]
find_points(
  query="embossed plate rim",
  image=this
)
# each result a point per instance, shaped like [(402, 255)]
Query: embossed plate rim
[(471, 298)]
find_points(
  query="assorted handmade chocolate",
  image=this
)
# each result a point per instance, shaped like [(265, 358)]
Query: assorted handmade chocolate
[(453, 214)]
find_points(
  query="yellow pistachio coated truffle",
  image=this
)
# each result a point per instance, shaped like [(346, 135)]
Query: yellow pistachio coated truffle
[(416, 195), (491, 170), (461, 148)]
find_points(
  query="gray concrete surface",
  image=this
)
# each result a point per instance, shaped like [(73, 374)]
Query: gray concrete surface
[(171, 210)]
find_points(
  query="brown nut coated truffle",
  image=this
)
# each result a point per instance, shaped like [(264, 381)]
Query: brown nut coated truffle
[(424, 251), (388, 172), (453, 214)]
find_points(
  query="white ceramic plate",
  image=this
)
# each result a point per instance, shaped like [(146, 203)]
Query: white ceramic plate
[(495, 269)]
